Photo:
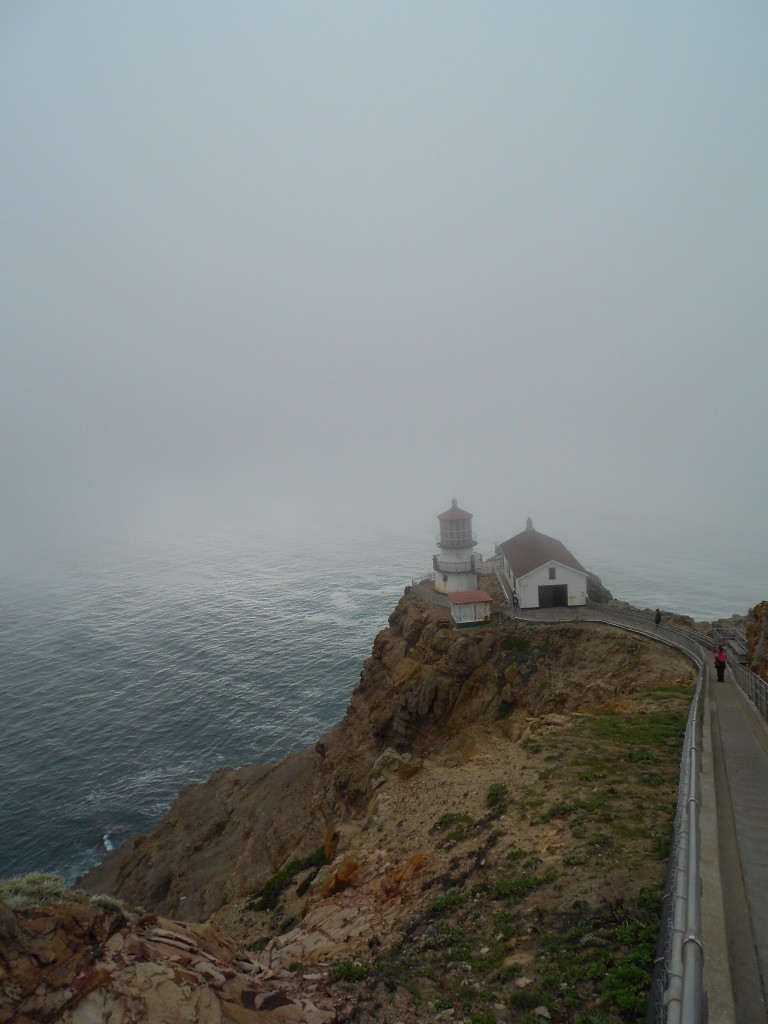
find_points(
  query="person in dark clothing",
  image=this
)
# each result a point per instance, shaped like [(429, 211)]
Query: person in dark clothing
[(657, 618), (720, 663)]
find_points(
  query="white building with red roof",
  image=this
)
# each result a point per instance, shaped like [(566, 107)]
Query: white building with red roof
[(542, 571)]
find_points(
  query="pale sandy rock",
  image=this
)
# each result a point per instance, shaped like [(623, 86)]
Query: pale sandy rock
[(344, 915), (102, 969), (386, 762)]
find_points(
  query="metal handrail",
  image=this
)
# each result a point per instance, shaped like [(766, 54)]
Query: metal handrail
[(456, 542), (677, 988), (754, 686), (443, 565), (683, 989)]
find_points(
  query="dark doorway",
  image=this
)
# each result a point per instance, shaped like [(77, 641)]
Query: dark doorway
[(554, 596)]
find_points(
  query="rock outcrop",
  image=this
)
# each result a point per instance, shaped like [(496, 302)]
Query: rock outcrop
[(424, 686), (757, 640), (78, 964), (597, 591)]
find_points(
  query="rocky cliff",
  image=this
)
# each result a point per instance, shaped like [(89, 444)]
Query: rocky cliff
[(426, 687), (757, 640), (78, 963), (487, 792)]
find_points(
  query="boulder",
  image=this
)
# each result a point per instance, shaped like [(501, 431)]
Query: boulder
[(391, 763)]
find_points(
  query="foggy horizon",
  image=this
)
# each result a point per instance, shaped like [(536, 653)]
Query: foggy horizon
[(274, 264)]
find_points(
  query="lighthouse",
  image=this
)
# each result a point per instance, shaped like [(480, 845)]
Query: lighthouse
[(455, 565)]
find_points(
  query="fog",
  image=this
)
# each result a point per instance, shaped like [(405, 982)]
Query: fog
[(275, 263)]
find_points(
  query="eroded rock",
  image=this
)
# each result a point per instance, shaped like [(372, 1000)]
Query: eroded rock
[(77, 964)]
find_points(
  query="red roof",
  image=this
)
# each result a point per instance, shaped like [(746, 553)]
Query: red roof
[(530, 549), (469, 597), (454, 512)]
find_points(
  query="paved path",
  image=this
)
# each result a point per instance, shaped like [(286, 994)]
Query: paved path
[(738, 741)]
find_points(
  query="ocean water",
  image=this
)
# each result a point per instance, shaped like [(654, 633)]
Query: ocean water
[(127, 674)]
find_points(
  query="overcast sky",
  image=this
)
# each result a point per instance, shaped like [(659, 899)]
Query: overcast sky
[(284, 259)]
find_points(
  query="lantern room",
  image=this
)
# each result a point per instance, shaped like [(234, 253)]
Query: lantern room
[(455, 566)]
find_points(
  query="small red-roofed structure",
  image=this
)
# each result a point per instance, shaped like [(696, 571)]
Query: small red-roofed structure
[(470, 607)]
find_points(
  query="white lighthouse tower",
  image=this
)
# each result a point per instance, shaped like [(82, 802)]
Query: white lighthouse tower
[(455, 566)]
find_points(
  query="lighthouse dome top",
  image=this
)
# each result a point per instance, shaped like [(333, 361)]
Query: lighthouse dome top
[(454, 512), (456, 528)]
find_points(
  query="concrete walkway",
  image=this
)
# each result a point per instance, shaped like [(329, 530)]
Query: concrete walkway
[(734, 815)]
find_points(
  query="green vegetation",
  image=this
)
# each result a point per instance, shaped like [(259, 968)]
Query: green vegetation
[(348, 970), (533, 746), (110, 905), (266, 898), (661, 846), (559, 810), (646, 731), (38, 889), (457, 826), (513, 890), (35, 889), (448, 901), (517, 644), (496, 799)]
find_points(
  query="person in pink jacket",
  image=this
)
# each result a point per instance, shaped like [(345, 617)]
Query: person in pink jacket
[(720, 660)]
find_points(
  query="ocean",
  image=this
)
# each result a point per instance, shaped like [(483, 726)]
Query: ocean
[(130, 672)]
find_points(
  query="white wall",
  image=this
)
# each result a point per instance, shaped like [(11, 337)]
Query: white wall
[(456, 580), (477, 611), (528, 586)]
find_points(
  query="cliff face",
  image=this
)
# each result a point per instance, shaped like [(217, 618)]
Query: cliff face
[(757, 640), (492, 800), (443, 682), (425, 686)]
